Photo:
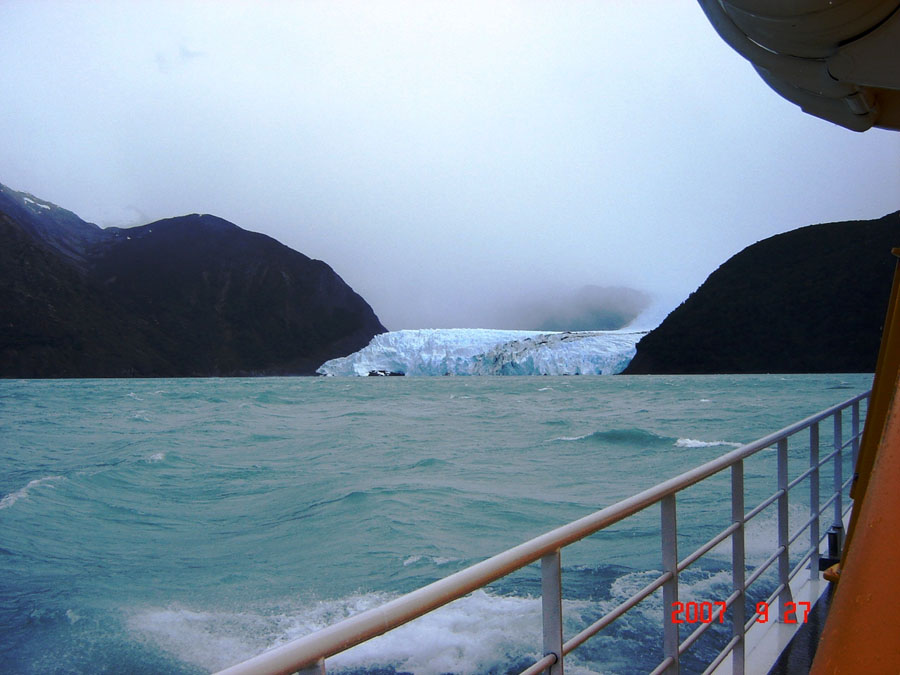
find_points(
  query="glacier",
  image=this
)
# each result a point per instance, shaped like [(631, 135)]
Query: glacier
[(476, 351)]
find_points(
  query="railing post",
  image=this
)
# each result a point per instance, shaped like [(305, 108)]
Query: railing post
[(318, 668), (814, 500), (669, 531), (784, 561), (551, 603), (838, 520), (854, 428), (738, 566)]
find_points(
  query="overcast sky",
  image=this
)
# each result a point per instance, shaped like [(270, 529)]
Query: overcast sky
[(451, 161)]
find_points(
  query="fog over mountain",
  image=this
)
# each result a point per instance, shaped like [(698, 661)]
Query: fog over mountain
[(452, 161), (593, 308)]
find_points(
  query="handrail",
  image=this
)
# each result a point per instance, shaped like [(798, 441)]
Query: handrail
[(307, 654)]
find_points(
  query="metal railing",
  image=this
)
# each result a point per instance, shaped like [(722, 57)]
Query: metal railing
[(307, 654)]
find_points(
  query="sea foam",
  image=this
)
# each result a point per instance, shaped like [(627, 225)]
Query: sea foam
[(481, 632), (469, 635)]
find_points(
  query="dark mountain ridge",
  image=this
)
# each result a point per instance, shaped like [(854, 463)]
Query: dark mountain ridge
[(189, 296), (812, 300), (56, 227)]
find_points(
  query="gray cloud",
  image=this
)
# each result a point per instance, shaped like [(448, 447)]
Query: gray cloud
[(454, 162)]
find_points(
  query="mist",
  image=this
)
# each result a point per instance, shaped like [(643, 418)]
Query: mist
[(458, 164), (587, 308)]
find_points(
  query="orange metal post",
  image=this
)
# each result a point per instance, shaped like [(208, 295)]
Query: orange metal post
[(882, 389), (861, 633)]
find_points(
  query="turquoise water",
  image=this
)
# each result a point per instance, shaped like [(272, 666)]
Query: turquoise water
[(179, 526)]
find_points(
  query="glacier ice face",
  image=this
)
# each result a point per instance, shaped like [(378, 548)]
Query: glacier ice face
[(472, 351)]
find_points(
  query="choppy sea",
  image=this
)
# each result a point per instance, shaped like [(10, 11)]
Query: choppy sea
[(180, 526)]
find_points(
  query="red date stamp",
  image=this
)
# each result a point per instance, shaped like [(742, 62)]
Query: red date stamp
[(708, 612)]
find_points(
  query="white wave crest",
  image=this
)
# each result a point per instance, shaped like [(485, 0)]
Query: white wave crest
[(22, 493), (693, 443), (210, 640), (481, 632), (472, 634), (435, 560), (477, 633), (568, 438)]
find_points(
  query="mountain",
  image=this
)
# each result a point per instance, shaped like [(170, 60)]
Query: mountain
[(188, 296), (807, 301), (56, 228), (474, 351)]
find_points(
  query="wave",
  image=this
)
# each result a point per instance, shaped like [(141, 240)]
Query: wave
[(693, 443), (636, 437), (481, 632), (432, 559), (642, 438), (761, 532), (430, 463), (22, 493), (478, 633)]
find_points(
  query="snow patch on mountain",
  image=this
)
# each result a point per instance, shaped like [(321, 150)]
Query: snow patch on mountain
[(34, 203)]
